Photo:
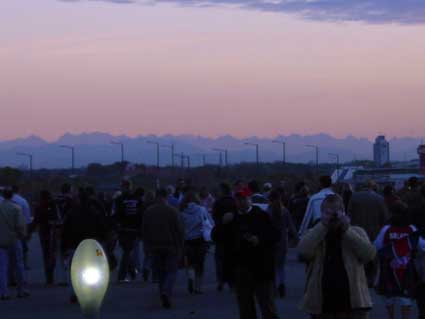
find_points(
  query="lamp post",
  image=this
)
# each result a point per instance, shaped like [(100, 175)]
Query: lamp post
[(72, 149), (220, 158), (157, 151), (283, 150), (171, 147), (30, 160), (188, 161), (317, 156), (181, 157), (336, 156), (121, 145), (226, 155), (257, 152), (90, 277)]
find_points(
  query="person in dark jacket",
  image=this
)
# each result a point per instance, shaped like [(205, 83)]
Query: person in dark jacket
[(84, 221), (298, 203), (415, 202), (253, 243), (282, 221), (49, 224), (129, 211), (224, 204)]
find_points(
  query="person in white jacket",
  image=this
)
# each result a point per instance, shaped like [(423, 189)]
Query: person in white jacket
[(313, 212)]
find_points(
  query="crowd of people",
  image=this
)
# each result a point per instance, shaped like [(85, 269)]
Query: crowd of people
[(350, 241)]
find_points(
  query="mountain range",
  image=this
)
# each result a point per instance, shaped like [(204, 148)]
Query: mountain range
[(97, 148)]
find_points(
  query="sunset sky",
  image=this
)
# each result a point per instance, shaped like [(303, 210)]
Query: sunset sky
[(241, 67)]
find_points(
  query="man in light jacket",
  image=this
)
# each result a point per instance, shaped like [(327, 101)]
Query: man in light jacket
[(336, 253), (12, 231)]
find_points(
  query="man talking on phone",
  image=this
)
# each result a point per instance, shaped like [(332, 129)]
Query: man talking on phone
[(336, 253)]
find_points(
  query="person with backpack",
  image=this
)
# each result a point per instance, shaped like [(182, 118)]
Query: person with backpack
[(129, 215), (393, 267), (196, 247), (49, 225)]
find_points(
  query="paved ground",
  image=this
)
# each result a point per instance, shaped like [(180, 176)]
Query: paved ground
[(138, 300)]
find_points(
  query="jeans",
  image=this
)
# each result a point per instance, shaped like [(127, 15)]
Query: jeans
[(166, 265), (136, 260), (12, 258), (127, 244), (249, 290)]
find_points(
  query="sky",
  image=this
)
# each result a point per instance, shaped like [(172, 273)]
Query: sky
[(240, 67)]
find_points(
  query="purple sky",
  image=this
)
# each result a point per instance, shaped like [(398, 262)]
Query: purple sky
[(160, 67)]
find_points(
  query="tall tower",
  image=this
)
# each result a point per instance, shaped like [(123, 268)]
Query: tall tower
[(381, 151), (421, 152)]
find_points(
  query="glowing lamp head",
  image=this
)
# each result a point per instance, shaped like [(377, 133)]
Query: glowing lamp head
[(90, 276)]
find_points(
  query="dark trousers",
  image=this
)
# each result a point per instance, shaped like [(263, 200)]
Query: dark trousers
[(165, 264), (48, 241), (355, 314), (127, 244), (420, 301), (219, 268), (249, 291)]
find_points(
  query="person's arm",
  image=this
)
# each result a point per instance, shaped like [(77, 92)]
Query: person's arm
[(309, 243), (379, 241), (292, 230), (307, 218), (359, 242)]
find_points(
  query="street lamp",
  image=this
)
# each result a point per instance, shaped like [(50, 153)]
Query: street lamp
[(121, 144), (226, 155), (90, 277), (257, 152), (171, 147), (220, 159), (317, 155), (30, 159), (336, 156), (283, 150), (72, 148), (157, 151), (182, 157)]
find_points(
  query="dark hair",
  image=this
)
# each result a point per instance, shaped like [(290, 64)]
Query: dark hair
[(66, 188), (7, 193), (161, 193), (325, 181), (45, 195), (189, 197), (15, 189), (225, 189), (398, 212), (388, 190), (254, 186)]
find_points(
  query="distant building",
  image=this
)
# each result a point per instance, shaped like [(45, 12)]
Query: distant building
[(381, 151), (421, 152)]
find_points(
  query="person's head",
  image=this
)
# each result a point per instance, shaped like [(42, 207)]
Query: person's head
[(149, 197), (65, 188), (254, 186), (267, 187), (126, 186), (139, 192), (45, 196), (15, 189), (170, 189), (413, 183), (7, 193), (372, 186), (162, 195), (225, 190), (388, 191), (243, 201), (325, 181), (275, 196), (332, 207), (399, 216), (189, 197), (203, 192)]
